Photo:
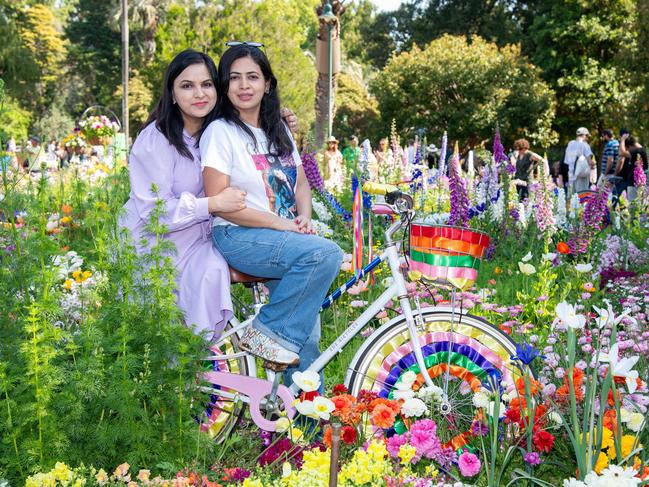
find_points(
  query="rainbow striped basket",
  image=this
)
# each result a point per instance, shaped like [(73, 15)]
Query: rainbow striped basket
[(446, 255)]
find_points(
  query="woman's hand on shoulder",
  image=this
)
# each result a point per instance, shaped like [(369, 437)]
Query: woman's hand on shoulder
[(228, 200), (290, 118)]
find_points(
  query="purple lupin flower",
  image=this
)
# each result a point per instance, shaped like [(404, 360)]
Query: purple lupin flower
[(499, 150), (639, 178), (595, 211), (459, 198), (312, 171)]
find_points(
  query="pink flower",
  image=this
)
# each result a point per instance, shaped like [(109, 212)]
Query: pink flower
[(469, 464), (424, 438), (394, 444), (357, 288)]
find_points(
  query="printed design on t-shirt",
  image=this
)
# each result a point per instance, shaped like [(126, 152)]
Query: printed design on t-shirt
[(280, 176)]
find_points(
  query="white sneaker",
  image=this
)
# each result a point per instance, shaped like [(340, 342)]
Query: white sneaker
[(262, 346)]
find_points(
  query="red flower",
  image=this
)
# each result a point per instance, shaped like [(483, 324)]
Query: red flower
[(543, 441), (340, 389), (309, 396), (348, 434), (513, 415), (562, 248)]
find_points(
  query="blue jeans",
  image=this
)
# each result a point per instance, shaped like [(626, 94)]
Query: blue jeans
[(302, 268)]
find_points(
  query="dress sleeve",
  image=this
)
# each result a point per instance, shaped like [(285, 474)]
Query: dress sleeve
[(153, 163)]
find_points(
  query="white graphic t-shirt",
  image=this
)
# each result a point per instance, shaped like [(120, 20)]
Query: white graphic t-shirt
[(269, 180)]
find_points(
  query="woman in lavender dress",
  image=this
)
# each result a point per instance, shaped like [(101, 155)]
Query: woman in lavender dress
[(166, 154)]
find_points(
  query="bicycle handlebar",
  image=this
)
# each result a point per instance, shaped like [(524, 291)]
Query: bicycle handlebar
[(379, 188)]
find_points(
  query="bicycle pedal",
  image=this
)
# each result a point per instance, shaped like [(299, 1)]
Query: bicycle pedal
[(274, 366)]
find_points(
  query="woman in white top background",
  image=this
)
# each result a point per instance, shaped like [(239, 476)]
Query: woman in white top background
[(249, 147)]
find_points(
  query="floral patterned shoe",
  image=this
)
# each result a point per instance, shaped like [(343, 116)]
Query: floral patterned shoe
[(264, 347)]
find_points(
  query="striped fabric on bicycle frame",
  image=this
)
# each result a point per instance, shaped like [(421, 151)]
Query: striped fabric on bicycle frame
[(446, 254)]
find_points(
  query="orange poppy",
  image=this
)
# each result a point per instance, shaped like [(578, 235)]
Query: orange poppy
[(562, 248)]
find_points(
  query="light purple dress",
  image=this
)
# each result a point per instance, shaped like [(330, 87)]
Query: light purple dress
[(203, 279)]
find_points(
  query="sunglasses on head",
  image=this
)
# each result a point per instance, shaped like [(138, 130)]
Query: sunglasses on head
[(244, 43)]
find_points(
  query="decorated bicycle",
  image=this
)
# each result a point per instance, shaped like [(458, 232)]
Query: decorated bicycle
[(451, 353)]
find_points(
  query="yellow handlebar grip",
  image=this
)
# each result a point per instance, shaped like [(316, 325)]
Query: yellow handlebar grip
[(378, 188)]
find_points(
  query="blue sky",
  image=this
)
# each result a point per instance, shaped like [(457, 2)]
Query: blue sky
[(387, 4)]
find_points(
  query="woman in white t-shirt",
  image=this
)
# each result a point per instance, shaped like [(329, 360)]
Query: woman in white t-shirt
[(250, 147)]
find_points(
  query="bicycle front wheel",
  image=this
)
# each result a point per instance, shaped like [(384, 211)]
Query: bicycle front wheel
[(463, 354)]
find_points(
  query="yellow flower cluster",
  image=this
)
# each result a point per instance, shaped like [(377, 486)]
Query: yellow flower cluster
[(628, 443), (59, 475), (78, 276), (366, 467), (314, 471)]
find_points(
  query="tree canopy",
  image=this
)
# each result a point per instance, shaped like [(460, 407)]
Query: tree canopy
[(539, 68), (466, 87)]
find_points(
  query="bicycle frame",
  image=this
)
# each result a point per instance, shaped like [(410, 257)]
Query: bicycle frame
[(396, 289)]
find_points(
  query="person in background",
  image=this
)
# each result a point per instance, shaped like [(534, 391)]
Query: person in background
[(557, 176), (351, 154), (432, 156), (578, 153), (411, 152), (332, 166), (631, 153), (383, 153), (526, 161), (610, 153)]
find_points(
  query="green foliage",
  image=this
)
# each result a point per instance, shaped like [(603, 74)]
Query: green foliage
[(111, 378), (55, 123), (42, 36), (466, 88), (356, 111), (421, 21), (94, 51), (366, 35), (14, 121), (585, 51), (140, 100)]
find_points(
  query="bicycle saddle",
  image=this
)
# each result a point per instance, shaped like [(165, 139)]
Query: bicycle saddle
[(237, 277)]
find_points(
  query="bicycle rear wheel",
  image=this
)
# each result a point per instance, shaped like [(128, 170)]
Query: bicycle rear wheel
[(224, 410), (473, 356)]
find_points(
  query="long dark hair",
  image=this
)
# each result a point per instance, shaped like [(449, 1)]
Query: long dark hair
[(166, 114), (279, 142)]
